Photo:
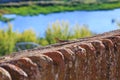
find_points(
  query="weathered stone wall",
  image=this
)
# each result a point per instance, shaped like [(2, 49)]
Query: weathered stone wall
[(93, 58)]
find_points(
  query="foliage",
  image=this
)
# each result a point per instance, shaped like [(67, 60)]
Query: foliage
[(61, 30), (42, 41), (27, 36), (74, 5), (5, 19), (57, 30), (81, 31), (7, 40)]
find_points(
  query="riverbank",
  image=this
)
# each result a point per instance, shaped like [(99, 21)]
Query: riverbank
[(38, 9)]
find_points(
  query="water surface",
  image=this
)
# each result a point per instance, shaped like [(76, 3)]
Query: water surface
[(97, 21)]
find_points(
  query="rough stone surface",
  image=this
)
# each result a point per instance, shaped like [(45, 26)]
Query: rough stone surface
[(92, 58), (4, 74), (15, 72), (28, 66)]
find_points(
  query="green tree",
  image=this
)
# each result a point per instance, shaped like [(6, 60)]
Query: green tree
[(81, 31), (63, 31), (27, 36), (7, 40), (57, 30)]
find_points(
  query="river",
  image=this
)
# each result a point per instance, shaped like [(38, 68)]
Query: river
[(97, 21)]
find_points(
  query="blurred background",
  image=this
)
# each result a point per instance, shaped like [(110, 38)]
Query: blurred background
[(26, 24)]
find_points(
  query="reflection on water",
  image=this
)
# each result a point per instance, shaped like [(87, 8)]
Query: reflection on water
[(97, 21)]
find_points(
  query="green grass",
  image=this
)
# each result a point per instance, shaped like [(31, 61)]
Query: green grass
[(37, 9)]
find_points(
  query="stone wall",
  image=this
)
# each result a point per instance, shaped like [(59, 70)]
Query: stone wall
[(93, 58)]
